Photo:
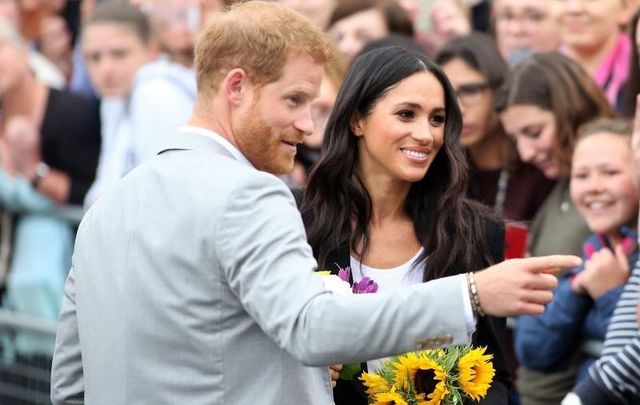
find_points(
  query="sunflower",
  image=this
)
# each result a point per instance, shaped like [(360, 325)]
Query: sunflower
[(375, 384), (424, 375), (476, 373), (390, 398)]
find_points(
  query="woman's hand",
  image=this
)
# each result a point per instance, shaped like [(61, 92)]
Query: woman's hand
[(23, 142), (334, 373)]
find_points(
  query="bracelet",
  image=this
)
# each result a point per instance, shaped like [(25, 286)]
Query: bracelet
[(42, 170), (473, 295)]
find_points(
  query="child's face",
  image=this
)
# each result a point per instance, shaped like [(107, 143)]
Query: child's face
[(113, 53), (602, 184)]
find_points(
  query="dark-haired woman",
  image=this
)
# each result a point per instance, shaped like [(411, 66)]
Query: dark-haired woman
[(498, 178), (387, 197)]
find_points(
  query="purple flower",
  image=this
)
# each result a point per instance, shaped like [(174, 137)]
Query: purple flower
[(344, 274), (365, 286)]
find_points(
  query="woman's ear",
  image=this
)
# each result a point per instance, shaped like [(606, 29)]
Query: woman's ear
[(356, 125)]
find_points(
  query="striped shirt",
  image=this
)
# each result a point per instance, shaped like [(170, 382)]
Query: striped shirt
[(615, 377)]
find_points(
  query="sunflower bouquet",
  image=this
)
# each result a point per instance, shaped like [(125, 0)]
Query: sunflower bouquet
[(432, 377)]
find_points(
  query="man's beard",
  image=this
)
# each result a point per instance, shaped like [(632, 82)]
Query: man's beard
[(261, 145)]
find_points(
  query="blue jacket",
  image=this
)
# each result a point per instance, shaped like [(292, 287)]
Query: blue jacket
[(546, 342)]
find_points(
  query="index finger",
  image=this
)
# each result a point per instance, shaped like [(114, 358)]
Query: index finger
[(550, 264)]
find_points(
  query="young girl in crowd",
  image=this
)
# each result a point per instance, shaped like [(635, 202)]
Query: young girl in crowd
[(117, 41), (497, 179), (387, 197), (543, 102), (603, 190)]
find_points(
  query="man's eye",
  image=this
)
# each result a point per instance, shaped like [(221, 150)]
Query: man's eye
[(295, 101)]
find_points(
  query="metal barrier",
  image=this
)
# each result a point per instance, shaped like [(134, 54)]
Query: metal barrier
[(26, 345), (24, 378)]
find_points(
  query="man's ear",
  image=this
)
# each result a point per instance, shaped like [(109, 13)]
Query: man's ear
[(236, 86)]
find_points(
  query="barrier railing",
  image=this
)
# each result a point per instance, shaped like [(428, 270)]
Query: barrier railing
[(24, 377), (25, 374)]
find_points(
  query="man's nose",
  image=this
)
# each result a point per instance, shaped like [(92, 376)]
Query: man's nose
[(305, 122)]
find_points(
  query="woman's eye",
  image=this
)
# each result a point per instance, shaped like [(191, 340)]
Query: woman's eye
[(437, 120), (406, 114)]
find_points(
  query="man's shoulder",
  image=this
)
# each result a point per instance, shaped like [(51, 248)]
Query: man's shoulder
[(209, 174)]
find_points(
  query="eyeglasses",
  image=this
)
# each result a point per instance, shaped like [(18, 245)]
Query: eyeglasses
[(471, 93)]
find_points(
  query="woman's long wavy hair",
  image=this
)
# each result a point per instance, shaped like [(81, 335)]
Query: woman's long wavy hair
[(337, 203)]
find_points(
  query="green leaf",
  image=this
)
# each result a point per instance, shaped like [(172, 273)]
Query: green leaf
[(349, 371)]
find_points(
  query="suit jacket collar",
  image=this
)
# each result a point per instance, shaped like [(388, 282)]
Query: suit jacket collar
[(184, 139)]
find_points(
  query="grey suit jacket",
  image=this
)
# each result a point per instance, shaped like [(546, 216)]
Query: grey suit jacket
[(192, 283)]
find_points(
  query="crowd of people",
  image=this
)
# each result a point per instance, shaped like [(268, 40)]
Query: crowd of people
[(445, 137)]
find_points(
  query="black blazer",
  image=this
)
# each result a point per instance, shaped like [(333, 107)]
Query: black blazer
[(490, 331)]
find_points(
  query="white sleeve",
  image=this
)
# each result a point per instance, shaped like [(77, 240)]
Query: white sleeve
[(158, 107)]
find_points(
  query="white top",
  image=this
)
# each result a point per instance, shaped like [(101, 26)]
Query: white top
[(162, 99), (388, 280), (116, 154), (396, 278)]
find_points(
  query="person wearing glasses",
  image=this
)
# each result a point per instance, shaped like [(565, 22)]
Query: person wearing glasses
[(498, 179)]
